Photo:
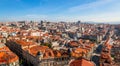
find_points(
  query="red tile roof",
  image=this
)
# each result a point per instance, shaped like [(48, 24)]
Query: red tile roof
[(6, 56), (81, 62)]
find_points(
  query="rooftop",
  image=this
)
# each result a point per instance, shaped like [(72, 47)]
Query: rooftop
[(6, 56), (81, 62)]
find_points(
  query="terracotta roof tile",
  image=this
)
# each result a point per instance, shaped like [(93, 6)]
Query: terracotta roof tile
[(81, 62), (6, 56)]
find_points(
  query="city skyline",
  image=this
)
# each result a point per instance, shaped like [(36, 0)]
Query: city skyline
[(57, 10)]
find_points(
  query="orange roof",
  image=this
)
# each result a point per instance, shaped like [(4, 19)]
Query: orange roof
[(78, 52), (103, 55), (35, 49), (92, 45), (32, 37), (81, 62), (73, 43), (45, 50), (4, 49), (46, 34), (24, 43), (6, 56), (106, 56), (57, 53), (48, 53)]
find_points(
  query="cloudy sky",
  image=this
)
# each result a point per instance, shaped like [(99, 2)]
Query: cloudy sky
[(61, 10)]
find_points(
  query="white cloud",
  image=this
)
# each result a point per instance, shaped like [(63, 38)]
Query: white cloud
[(98, 17), (101, 17), (25, 17), (105, 17), (89, 5)]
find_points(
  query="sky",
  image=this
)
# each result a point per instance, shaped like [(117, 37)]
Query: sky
[(107, 11)]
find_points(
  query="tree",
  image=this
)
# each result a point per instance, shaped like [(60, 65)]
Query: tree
[(47, 44)]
